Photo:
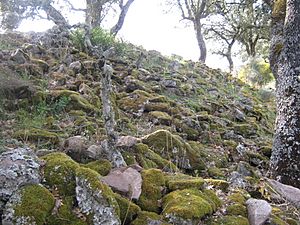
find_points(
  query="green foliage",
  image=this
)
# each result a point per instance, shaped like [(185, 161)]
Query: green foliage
[(77, 38), (99, 37), (35, 116), (257, 72)]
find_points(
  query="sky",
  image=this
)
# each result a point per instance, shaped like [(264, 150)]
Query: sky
[(147, 24)]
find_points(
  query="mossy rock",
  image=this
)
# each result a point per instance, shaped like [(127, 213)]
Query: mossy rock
[(76, 101), (215, 172), (34, 205), (128, 210), (59, 173), (276, 220), (37, 135), (161, 117), (246, 130), (181, 181), (149, 218), (65, 214), (220, 184), (211, 198), (102, 166), (158, 106), (148, 159), (191, 133), (238, 197), (102, 200), (237, 210), (134, 101), (231, 220), (185, 206), (152, 190), (172, 147)]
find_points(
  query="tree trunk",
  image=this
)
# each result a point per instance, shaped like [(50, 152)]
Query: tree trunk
[(124, 9), (54, 15), (94, 10), (109, 118), (285, 61), (200, 40)]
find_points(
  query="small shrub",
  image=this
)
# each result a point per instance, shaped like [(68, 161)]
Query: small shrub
[(99, 37), (256, 72)]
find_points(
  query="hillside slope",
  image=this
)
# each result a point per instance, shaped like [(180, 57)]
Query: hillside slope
[(201, 138)]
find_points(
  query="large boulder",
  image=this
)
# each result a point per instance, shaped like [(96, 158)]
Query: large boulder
[(18, 167), (286, 192)]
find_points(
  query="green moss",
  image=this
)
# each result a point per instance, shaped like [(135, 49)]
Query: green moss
[(59, 172), (36, 202), (237, 197), (231, 220), (128, 210), (93, 179), (279, 10), (276, 220), (215, 172), (152, 187), (211, 198), (181, 181), (38, 135), (291, 221), (134, 101), (172, 147), (237, 210), (65, 214), (44, 65), (129, 158), (102, 167), (221, 184), (245, 129), (162, 117), (186, 204), (158, 106), (148, 218), (149, 159), (76, 101)]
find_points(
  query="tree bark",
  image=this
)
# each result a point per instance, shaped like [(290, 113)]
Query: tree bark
[(200, 40), (109, 118), (54, 15), (124, 9), (94, 10), (285, 61)]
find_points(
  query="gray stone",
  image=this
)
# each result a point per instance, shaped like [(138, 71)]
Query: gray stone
[(126, 141), (168, 83), (259, 211), (92, 201), (17, 168), (93, 152), (287, 192), (76, 66), (239, 115), (125, 180)]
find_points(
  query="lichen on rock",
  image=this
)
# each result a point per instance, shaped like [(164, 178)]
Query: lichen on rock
[(17, 168), (95, 198), (32, 204), (59, 173)]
